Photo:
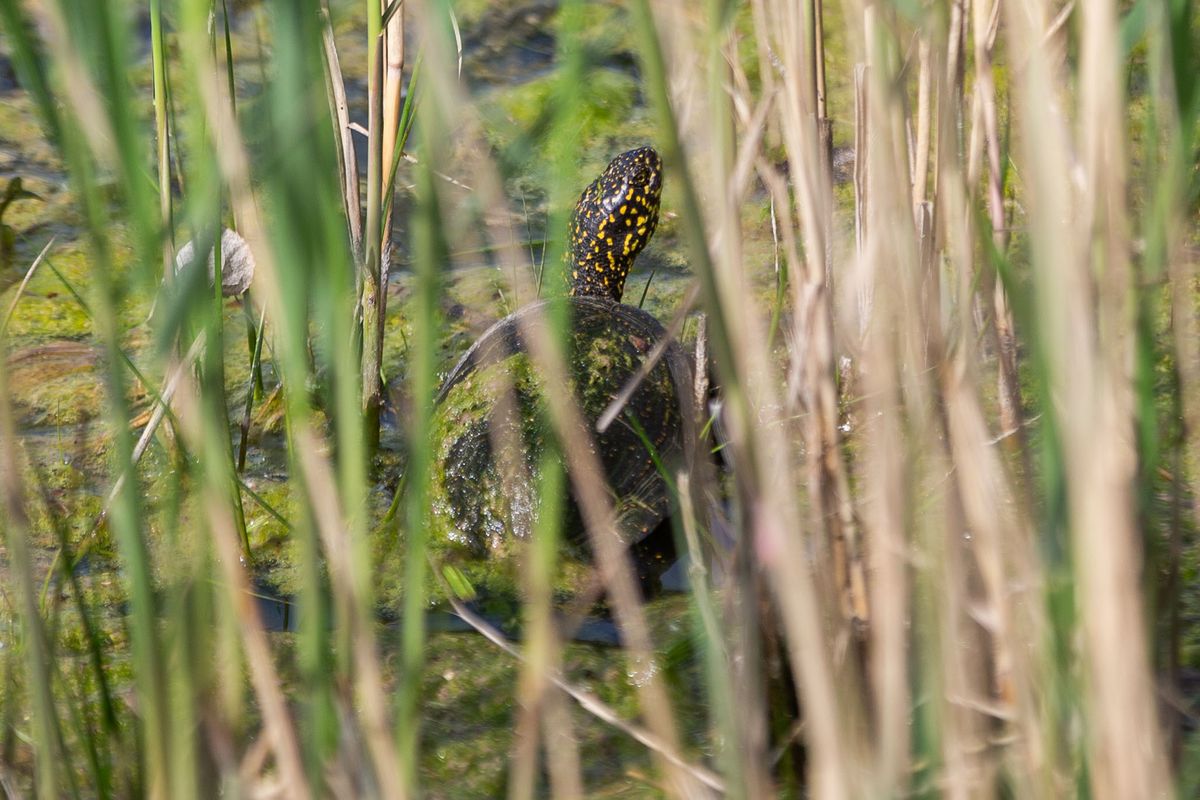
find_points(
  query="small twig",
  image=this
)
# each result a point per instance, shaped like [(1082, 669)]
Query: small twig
[(1055, 26), (1013, 431), (160, 410), (652, 359), (588, 701), (410, 158), (700, 377)]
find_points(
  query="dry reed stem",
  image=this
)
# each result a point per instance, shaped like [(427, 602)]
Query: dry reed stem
[(831, 508), (374, 239), (984, 20), (353, 610), (905, 342), (862, 151), (562, 748), (739, 150), (263, 677), (316, 475), (161, 407), (924, 115), (542, 645), (832, 730), (761, 460), (343, 139), (1128, 759), (1087, 347), (393, 82), (885, 512), (1018, 627), (1003, 551)]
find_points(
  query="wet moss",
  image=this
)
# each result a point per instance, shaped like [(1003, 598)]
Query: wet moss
[(469, 690), (59, 383)]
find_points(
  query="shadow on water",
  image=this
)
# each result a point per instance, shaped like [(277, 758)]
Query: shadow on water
[(279, 614)]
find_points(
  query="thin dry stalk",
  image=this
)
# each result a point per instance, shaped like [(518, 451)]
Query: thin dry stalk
[(824, 131), (924, 115), (393, 81), (335, 537), (768, 490), (263, 677), (1004, 555), (1007, 558), (535, 698), (373, 239), (161, 407), (885, 515), (862, 150), (1088, 323), (904, 340), (984, 14), (831, 508), (1128, 759), (344, 139), (562, 749), (12, 307)]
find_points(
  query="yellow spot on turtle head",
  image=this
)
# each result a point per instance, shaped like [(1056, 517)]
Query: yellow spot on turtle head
[(624, 208), (641, 231)]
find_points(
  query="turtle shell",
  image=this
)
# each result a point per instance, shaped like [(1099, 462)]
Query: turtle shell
[(492, 425)]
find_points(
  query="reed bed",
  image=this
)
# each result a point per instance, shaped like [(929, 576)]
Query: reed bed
[(941, 516)]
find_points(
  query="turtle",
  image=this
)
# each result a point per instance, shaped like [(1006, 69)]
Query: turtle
[(483, 500)]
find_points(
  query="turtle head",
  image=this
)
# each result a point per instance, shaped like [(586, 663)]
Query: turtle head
[(614, 218)]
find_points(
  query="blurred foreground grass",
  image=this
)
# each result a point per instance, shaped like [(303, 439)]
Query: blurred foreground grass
[(946, 257)]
